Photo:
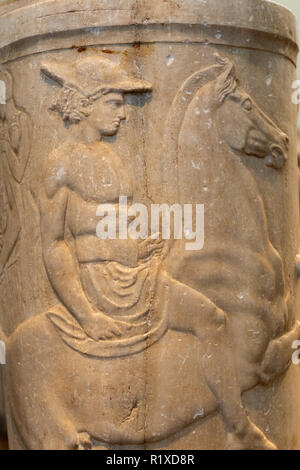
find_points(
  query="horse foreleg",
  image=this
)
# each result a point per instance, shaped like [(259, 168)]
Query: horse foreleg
[(190, 311), (278, 355)]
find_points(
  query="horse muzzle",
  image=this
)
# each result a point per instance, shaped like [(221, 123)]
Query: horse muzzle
[(277, 157)]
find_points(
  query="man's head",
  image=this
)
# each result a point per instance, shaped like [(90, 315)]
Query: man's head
[(93, 89)]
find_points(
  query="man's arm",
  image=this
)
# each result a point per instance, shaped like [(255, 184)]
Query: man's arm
[(61, 264)]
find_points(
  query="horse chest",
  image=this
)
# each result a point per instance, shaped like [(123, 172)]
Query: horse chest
[(233, 206)]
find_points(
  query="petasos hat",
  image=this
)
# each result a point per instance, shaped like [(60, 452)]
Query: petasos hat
[(91, 75)]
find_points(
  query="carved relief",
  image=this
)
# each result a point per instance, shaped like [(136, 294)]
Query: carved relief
[(15, 142), (117, 299)]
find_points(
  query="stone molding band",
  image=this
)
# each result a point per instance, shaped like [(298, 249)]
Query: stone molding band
[(269, 26)]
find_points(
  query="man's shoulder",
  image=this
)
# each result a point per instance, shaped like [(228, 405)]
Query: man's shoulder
[(56, 169), (70, 159), (60, 153)]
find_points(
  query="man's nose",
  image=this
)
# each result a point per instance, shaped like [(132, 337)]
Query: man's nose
[(122, 114)]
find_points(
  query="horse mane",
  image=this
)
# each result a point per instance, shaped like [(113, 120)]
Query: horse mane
[(226, 83), (175, 117), (222, 74)]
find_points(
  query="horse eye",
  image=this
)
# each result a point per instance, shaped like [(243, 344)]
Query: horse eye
[(247, 105)]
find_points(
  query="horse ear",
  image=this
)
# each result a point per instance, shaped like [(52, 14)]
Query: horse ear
[(226, 83)]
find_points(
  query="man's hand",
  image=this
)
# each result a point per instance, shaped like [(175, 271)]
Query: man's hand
[(100, 326), (149, 247)]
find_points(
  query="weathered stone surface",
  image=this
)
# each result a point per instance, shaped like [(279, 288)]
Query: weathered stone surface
[(149, 343)]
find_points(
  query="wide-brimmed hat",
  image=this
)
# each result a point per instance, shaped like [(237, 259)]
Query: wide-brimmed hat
[(90, 75)]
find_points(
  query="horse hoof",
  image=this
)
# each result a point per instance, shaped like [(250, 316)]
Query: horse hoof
[(251, 439), (83, 441)]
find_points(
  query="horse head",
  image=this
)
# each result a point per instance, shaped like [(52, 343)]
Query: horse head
[(242, 124)]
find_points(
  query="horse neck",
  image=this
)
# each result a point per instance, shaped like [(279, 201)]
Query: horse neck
[(201, 146), (223, 182), (244, 191)]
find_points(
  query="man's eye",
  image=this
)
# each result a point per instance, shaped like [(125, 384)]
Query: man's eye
[(116, 104), (247, 105)]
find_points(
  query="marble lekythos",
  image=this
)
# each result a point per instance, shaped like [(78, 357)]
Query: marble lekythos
[(136, 341)]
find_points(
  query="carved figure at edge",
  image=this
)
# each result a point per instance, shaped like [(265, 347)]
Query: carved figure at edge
[(92, 277), (15, 142)]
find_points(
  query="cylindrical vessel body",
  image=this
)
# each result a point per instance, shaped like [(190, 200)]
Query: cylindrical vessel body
[(117, 342)]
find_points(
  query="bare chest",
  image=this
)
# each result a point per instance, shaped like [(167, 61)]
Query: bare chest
[(95, 180), (100, 179)]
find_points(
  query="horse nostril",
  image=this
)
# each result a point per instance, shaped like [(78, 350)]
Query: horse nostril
[(285, 140), (277, 158)]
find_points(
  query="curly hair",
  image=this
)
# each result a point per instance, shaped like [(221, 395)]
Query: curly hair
[(72, 105)]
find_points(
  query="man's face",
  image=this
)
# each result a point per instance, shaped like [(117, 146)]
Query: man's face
[(108, 113)]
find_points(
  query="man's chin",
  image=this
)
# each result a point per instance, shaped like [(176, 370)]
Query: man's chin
[(112, 131)]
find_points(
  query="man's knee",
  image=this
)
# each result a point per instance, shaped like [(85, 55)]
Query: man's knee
[(219, 320), (212, 326)]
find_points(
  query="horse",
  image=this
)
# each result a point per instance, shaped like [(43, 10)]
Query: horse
[(238, 269)]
